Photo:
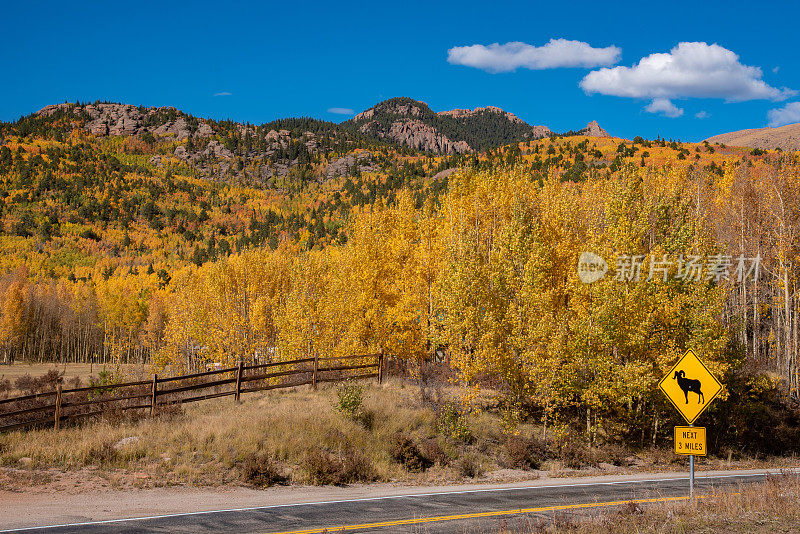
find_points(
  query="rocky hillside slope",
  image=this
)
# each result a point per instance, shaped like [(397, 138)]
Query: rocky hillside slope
[(403, 122), (219, 149), (301, 149), (414, 124), (784, 137), (408, 123), (105, 118)]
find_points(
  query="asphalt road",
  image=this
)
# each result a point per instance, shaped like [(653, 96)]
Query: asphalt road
[(456, 511)]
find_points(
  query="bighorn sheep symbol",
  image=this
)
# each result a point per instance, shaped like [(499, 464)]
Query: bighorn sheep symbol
[(687, 385)]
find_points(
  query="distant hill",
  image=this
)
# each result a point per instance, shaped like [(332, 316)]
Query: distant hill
[(213, 148), (303, 147), (401, 122), (414, 124), (784, 137)]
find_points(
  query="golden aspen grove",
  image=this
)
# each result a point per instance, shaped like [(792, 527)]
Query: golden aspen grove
[(114, 250)]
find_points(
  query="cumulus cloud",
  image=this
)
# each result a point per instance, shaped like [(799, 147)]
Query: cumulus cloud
[(223, 93), (702, 114), (511, 56), (341, 111), (689, 70), (788, 114), (665, 107)]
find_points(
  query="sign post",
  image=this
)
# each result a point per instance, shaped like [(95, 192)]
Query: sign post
[(690, 387), (691, 475)]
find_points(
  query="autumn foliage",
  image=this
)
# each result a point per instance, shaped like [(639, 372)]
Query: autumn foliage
[(477, 268)]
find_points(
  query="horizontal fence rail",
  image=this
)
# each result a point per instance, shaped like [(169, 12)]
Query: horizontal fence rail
[(52, 408)]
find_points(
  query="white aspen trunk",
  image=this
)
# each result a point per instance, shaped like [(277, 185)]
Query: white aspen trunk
[(756, 321), (787, 327)]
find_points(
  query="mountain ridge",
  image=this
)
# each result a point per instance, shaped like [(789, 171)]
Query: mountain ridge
[(414, 124), (400, 121), (303, 147)]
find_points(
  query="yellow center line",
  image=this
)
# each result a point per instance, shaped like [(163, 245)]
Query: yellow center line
[(476, 515)]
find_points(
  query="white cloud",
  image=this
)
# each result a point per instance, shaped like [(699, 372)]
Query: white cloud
[(690, 70), (702, 114), (223, 93), (788, 114), (511, 56), (341, 111), (665, 107), (776, 69)]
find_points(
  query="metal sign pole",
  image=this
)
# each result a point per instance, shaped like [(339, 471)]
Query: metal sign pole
[(691, 472)]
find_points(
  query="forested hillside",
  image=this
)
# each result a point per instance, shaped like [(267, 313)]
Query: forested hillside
[(119, 247), (412, 123)]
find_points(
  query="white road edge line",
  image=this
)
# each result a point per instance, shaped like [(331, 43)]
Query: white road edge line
[(387, 497)]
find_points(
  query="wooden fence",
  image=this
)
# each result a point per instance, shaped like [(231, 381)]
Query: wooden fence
[(52, 408)]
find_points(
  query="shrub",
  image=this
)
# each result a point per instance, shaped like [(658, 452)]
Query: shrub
[(325, 468), (613, 454), (90, 234), (350, 398), (101, 454), (365, 418), (574, 453), (259, 469), (356, 467), (49, 380), (105, 378), (405, 452), (470, 466), (452, 422), (525, 453), (27, 384), (432, 450), (321, 466), (5, 386)]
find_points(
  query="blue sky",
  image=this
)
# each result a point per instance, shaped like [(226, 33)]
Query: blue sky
[(266, 60)]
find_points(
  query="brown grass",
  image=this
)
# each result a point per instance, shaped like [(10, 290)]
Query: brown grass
[(209, 442), (70, 371), (299, 436), (769, 507)]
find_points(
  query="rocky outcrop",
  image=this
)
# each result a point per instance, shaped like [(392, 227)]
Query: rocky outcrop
[(441, 175), (416, 134), (124, 119), (593, 129), (537, 132), (391, 107), (464, 113), (344, 166), (412, 123)]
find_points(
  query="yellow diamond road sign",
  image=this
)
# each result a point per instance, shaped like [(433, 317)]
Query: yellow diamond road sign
[(690, 386)]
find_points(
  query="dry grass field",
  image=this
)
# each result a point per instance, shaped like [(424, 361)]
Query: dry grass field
[(337, 435), (70, 371)]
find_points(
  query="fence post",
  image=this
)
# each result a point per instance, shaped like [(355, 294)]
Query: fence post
[(238, 381), (316, 368), (57, 421), (153, 394), (380, 366)]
